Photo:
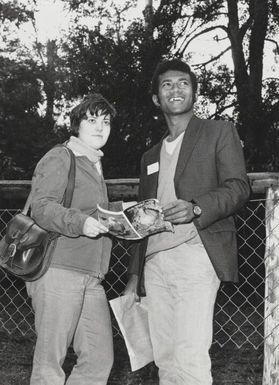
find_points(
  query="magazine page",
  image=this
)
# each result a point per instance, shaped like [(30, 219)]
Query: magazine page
[(136, 222), (117, 224), (147, 218)]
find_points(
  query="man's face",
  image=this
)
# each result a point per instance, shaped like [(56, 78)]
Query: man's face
[(175, 93), (95, 130)]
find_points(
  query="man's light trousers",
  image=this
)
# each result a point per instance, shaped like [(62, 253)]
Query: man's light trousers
[(181, 287)]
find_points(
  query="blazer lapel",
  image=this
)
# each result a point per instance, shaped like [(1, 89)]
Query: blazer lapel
[(192, 134), (190, 139), (150, 182)]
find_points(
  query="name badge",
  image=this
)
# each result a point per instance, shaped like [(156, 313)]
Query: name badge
[(152, 168)]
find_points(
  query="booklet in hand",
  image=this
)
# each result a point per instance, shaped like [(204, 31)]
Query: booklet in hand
[(132, 319), (136, 222)]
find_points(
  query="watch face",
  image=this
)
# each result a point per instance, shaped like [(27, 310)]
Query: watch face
[(197, 210)]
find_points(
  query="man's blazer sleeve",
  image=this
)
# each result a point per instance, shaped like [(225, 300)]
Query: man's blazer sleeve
[(233, 188)]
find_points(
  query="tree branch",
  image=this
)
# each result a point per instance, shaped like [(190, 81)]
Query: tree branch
[(274, 42), (243, 29), (207, 29), (37, 44), (221, 109), (204, 31), (212, 59), (270, 78), (182, 32)]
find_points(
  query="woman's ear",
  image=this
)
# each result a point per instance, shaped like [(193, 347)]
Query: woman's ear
[(156, 100)]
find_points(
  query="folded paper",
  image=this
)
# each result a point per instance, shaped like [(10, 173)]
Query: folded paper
[(132, 318)]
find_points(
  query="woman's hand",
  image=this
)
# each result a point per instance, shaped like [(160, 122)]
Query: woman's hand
[(92, 228)]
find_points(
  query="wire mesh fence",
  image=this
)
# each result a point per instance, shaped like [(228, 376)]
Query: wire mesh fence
[(239, 313)]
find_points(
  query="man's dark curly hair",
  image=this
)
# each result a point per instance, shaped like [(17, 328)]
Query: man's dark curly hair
[(172, 65), (96, 104)]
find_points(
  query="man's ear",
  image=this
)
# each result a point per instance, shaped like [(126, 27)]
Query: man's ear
[(156, 100)]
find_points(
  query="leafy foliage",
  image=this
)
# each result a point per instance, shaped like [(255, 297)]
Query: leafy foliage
[(107, 52), (121, 69)]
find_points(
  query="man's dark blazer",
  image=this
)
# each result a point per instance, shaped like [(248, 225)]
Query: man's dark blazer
[(211, 171)]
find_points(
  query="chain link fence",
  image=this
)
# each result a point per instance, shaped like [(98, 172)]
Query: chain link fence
[(239, 313)]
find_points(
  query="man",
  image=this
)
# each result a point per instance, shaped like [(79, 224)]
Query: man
[(197, 172)]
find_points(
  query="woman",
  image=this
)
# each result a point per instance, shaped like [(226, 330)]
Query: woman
[(69, 300)]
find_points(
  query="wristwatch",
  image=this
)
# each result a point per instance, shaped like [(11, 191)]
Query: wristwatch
[(197, 211)]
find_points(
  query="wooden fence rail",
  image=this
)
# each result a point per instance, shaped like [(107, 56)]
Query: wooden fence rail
[(12, 191)]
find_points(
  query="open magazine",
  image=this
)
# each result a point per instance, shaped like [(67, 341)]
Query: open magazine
[(136, 222)]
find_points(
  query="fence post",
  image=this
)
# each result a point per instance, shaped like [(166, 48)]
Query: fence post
[(271, 319)]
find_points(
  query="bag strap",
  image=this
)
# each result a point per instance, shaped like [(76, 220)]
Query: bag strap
[(68, 195)]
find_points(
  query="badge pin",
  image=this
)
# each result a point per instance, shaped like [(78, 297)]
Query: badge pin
[(152, 168)]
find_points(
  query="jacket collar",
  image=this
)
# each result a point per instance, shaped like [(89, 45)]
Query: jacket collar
[(189, 141)]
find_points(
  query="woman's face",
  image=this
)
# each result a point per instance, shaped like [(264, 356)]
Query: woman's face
[(94, 131)]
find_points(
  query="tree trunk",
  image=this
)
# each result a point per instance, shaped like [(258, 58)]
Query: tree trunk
[(256, 49), (49, 80), (248, 77), (240, 68), (271, 323), (148, 19)]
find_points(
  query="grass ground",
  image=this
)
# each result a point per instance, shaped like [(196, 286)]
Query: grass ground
[(230, 365)]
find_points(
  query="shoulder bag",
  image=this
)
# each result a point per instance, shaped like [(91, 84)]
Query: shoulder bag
[(26, 249)]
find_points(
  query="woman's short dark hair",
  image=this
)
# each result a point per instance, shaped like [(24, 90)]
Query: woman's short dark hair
[(172, 65), (96, 104)]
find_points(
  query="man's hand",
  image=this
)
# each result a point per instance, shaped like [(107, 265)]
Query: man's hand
[(131, 288), (92, 228), (178, 212)]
